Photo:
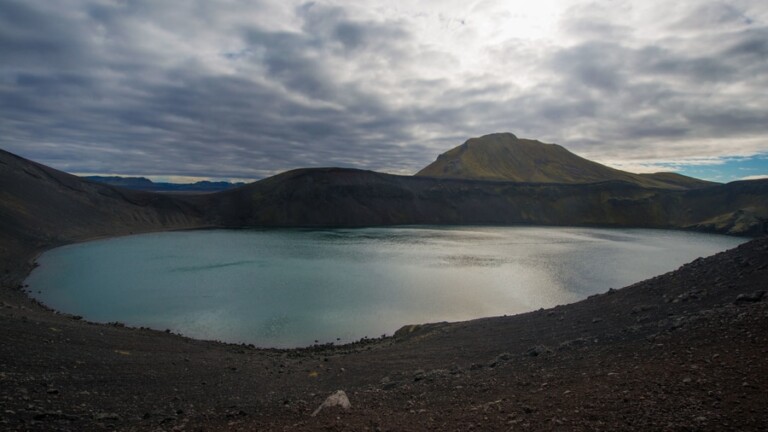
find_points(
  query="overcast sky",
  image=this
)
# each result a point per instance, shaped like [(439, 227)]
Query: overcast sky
[(245, 89)]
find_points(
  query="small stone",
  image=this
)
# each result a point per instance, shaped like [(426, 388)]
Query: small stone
[(389, 385), (537, 350), (528, 409), (106, 417), (338, 399), (750, 298), (418, 375)]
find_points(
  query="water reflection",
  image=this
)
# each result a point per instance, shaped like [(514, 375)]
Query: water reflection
[(289, 287)]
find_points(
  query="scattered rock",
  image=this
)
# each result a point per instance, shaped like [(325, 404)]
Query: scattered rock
[(572, 344), (418, 375), (537, 350), (338, 399), (639, 309), (750, 298), (54, 415), (387, 383), (501, 358), (106, 417)]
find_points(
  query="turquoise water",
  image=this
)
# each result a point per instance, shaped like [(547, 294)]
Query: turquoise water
[(288, 288)]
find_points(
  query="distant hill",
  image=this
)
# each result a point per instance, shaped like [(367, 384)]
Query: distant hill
[(145, 184), (675, 179), (503, 156)]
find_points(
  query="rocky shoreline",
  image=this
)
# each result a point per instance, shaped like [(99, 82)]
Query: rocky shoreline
[(681, 351)]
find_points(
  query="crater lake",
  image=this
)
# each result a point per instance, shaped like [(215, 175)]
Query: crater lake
[(296, 287)]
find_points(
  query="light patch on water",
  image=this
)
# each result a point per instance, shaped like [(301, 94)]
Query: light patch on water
[(211, 266), (290, 287)]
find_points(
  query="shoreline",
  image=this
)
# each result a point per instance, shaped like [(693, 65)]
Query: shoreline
[(60, 373), (33, 263)]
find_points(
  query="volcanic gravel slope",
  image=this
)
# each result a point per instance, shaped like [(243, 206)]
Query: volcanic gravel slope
[(682, 351)]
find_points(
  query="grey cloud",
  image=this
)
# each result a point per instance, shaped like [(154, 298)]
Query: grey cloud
[(333, 24), (90, 92), (35, 39), (193, 121), (592, 64), (730, 120), (713, 14), (590, 21), (752, 44), (675, 87), (657, 61)]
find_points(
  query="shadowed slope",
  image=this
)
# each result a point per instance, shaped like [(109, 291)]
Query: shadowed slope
[(503, 156), (344, 197), (41, 207)]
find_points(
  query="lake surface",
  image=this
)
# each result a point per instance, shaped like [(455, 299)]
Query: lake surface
[(292, 287)]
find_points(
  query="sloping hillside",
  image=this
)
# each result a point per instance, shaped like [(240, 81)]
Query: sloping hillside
[(43, 207), (675, 179), (503, 156)]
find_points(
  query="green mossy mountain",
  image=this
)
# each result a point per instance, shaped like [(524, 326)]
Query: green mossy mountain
[(503, 156)]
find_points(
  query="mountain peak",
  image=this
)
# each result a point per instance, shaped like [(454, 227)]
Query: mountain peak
[(505, 157)]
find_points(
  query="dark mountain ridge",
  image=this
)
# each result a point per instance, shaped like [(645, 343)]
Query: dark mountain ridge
[(145, 184), (345, 197)]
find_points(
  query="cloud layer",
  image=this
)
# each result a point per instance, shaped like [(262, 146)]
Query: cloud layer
[(245, 89)]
